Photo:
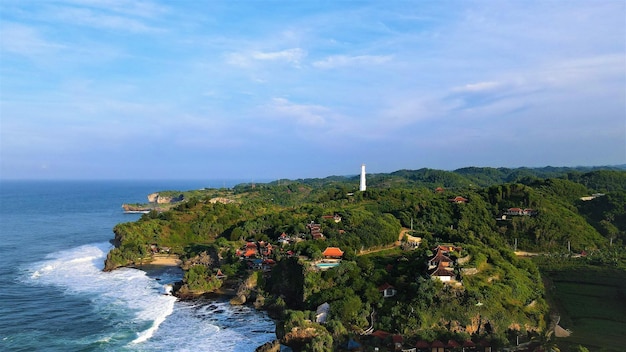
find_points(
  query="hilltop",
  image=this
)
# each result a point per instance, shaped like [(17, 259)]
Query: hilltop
[(424, 254)]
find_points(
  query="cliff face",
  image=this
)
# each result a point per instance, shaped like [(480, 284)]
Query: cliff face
[(159, 199)]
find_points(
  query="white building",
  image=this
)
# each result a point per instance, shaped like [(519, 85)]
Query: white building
[(362, 185)]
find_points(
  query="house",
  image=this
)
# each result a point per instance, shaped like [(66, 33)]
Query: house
[(397, 342), (283, 239), (411, 242), (439, 259), (447, 248), (520, 212), (387, 290), (250, 252), (316, 230), (452, 344), (380, 334), (437, 346), (439, 190), (422, 346), (333, 252), (443, 274), (321, 315), (458, 200), (335, 217), (266, 248), (220, 275), (514, 211)]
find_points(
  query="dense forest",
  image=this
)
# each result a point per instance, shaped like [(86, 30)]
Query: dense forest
[(484, 213)]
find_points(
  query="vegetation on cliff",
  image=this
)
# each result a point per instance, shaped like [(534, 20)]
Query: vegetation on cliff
[(483, 213)]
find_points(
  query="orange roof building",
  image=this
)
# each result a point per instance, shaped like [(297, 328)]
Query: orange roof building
[(333, 252)]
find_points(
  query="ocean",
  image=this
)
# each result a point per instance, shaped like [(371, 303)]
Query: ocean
[(54, 237)]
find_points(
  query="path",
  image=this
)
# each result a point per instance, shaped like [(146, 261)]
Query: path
[(403, 232)]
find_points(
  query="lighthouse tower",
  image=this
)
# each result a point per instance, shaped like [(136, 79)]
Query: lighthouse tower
[(362, 185)]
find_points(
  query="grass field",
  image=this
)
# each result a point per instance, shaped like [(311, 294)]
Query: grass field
[(592, 304)]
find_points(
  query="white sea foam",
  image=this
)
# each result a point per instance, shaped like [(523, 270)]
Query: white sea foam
[(157, 322), (79, 271)]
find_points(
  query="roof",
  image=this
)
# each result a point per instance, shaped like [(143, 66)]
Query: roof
[(422, 344), (384, 286), (441, 271), (437, 343), (332, 252), (381, 334), (441, 257), (397, 338), (447, 248), (468, 343), (452, 344)]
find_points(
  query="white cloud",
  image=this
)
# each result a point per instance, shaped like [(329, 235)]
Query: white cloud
[(345, 60), (100, 19), (477, 87), (309, 115), (289, 55), (25, 40), (292, 56)]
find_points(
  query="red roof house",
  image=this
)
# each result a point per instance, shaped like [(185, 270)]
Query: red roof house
[(442, 273), (458, 200), (387, 290), (439, 259), (397, 341), (438, 346), (332, 252)]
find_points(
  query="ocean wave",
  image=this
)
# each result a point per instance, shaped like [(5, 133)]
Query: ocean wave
[(141, 317), (78, 271)]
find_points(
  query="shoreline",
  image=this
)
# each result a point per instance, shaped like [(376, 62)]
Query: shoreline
[(165, 260)]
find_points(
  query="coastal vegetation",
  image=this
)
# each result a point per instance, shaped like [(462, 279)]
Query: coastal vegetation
[(383, 278)]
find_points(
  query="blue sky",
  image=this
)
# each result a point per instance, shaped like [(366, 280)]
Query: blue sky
[(93, 89)]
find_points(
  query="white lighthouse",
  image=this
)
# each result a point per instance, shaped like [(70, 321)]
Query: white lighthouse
[(362, 185)]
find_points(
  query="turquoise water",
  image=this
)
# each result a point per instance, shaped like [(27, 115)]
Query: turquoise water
[(53, 241), (326, 265)]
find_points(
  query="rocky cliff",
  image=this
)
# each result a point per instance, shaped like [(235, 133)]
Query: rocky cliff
[(160, 199)]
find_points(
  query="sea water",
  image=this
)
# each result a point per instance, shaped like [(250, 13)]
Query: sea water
[(54, 296)]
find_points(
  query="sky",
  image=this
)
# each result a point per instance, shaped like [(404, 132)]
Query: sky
[(143, 89)]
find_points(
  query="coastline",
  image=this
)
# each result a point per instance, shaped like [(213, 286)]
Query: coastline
[(165, 260)]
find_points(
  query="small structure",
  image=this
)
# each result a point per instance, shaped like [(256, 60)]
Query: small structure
[(422, 346), (458, 200), (437, 346), (333, 252), (380, 334), (519, 212), (335, 217), (283, 239), (220, 275), (447, 248), (397, 342), (387, 290), (452, 344), (321, 315), (443, 274), (316, 230), (439, 259)]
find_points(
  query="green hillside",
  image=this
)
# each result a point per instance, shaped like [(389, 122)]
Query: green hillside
[(484, 214)]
